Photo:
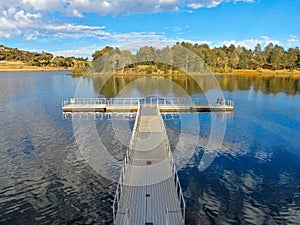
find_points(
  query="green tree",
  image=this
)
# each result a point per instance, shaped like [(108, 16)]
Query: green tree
[(276, 57), (101, 52), (258, 57), (146, 54), (291, 57), (245, 58), (267, 56)]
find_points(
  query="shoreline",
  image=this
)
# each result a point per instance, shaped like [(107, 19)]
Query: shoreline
[(261, 73), (31, 70), (234, 73), (280, 73), (18, 66), (34, 69)]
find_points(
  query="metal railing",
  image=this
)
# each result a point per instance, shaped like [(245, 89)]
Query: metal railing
[(84, 101), (160, 101), (134, 133), (181, 202), (123, 102), (126, 116), (174, 101), (126, 161)]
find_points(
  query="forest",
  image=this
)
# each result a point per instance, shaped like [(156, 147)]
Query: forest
[(177, 59), (185, 57)]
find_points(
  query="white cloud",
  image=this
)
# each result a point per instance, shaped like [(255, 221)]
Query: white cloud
[(81, 52), (103, 7), (248, 43), (196, 4), (32, 19), (42, 5), (204, 3), (76, 13), (249, 1), (293, 41), (16, 23)]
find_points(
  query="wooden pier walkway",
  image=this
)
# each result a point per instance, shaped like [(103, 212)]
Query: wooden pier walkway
[(149, 191)]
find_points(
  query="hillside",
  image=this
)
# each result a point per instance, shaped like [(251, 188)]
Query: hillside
[(13, 59)]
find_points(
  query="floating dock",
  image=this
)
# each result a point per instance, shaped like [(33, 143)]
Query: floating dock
[(131, 105), (149, 191)]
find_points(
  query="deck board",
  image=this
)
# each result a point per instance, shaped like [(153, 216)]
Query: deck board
[(133, 108), (149, 189)]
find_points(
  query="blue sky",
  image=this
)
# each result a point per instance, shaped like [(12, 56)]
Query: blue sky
[(79, 27)]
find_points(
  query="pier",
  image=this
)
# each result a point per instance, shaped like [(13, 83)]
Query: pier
[(131, 104), (149, 191)]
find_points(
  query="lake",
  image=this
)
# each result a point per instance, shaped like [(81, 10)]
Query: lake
[(253, 179)]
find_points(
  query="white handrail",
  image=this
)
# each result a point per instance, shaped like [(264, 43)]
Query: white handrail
[(181, 200), (166, 101), (124, 168)]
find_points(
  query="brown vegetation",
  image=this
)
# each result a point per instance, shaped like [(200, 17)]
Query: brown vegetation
[(13, 59)]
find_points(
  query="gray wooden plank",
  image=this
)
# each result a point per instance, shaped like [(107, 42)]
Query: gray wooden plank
[(149, 189)]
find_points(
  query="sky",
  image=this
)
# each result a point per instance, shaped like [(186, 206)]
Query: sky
[(79, 27)]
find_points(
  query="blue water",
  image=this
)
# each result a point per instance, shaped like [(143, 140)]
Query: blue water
[(254, 178), (257, 169)]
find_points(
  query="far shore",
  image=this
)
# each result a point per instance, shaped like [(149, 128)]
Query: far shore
[(17, 66), (279, 73), (33, 69), (234, 72), (262, 72)]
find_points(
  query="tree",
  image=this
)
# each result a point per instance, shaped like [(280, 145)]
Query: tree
[(146, 54), (291, 58), (80, 67), (101, 52), (266, 56), (276, 57), (222, 60), (258, 56), (245, 58)]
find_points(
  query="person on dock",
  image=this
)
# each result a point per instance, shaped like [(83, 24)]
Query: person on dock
[(222, 101)]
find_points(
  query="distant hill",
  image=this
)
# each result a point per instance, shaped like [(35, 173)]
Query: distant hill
[(35, 59)]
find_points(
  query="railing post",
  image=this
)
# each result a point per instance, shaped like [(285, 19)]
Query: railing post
[(167, 217), (114, 214)]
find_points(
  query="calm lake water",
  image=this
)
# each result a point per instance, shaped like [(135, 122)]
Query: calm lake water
[(254, 178)]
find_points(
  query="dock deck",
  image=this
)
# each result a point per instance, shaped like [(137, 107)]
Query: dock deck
[(149, 191), (131, 105)]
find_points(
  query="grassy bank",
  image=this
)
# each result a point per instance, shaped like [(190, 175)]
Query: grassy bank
[(262, 72), (8, 66)]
